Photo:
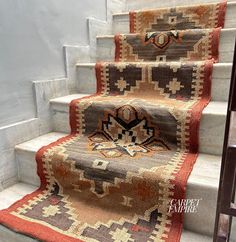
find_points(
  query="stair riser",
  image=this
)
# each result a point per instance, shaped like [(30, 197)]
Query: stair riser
[(27, 168), (143, 4), (86, 80), (197, 222), (121, 21), (211, 128), (106, 46)]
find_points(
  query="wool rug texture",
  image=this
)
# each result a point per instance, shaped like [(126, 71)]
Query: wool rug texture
[(133, 144)]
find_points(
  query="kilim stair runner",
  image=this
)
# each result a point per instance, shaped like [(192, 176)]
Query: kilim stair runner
[(133, 144)]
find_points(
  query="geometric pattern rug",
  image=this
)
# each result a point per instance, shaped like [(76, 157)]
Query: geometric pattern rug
[(133, 144)]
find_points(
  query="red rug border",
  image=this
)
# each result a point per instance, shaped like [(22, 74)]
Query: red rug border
[(222, 13), (132, 18), (117, 47), (183, 174)]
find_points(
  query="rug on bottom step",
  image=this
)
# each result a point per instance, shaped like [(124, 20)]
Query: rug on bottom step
[(132, 145)]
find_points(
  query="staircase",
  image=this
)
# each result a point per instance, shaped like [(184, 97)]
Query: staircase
[(204, 179)]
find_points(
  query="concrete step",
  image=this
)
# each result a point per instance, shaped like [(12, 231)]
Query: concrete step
[(106, 46), (121, 20), (144, 4), (7, 198), (211, 125), (27, 170), (19, 190), (86, 79), (202, 183)]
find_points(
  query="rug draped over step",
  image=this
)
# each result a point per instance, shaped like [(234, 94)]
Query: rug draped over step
[(133, 144), (178, 18)]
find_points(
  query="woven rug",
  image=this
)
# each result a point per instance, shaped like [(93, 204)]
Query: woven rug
[(178, 18), (133, 144)]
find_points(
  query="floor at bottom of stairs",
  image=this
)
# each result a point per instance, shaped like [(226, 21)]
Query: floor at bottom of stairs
[(19, 190)]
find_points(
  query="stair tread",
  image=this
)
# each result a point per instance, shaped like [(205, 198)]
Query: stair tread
[(67, 99), (200, 174), (214, 107), (188, 236), (12, 194), (35, 144)]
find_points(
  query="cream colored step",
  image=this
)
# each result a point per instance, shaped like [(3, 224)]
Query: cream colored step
[(14, 193), (121, 20), (7, 198), (148, 4), (27, 166), (211, 125), (86, 79), (106, 46), (202, 183)]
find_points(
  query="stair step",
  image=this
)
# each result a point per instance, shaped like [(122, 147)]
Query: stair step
[(106, 46), (27, 167), (143, 4), (121, 20), (19, 190), (14, 193), (86, 79), (211, 125), (7, 198), (202, 183)]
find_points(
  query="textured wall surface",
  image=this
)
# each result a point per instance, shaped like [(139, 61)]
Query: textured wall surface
[(32, 34)]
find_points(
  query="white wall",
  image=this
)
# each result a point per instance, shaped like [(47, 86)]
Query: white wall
[(32, 34)]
